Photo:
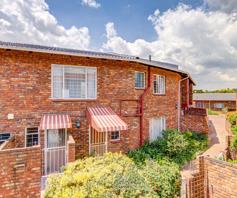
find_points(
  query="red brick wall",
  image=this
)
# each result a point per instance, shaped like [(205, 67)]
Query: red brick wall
[(193, 120), (20, 172), (26, 91), (71, 149), (222, 179), (187, 93), (213, 179)]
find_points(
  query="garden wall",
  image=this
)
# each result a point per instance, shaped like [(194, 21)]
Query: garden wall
[(20, 172), (222, 179), (195, 119), (213, 179)]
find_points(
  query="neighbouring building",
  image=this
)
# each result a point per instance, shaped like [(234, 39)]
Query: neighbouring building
[(215, 101), (61, 104)]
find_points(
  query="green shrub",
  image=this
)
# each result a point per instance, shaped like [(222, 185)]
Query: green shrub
[(234, 129), (211, 112), (173, 146), (233, 161), (233, 143), (231, 117), (114, 175)]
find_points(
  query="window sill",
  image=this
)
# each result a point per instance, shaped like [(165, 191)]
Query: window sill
[(115, 141), (155, 94), (140, 88), (71, 100)]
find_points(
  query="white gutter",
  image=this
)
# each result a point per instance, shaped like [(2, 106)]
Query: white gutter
[(179, 102)]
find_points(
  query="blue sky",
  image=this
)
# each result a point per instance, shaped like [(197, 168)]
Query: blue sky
[(198, 35), (129, 16)]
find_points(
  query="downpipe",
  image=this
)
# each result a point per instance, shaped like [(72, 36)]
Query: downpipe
[(179, 101)]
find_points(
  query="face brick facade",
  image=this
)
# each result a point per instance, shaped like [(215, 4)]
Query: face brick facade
[(25, 87), (26, 92)]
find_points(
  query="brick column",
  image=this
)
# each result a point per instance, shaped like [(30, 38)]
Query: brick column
[(71, 149)]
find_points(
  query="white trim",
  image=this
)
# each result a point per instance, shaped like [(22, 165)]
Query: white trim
[(143, 79), (86, 83)]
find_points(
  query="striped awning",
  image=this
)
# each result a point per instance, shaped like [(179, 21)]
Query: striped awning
[(104, 119), (55, 121)]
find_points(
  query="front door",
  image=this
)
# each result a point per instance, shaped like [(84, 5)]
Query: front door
[(55, 150)]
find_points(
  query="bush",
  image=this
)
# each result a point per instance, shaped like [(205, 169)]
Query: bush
[(114, 175), (211, 112), (233, 143), (173, 146), (231, 117)]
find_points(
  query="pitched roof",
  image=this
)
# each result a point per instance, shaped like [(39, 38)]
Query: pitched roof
[(92, 54), (215, 96)]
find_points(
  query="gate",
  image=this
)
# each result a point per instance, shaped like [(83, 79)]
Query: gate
[(55, 151), (98, 142)]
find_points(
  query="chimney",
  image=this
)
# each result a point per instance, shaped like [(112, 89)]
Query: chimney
[(149, 57)]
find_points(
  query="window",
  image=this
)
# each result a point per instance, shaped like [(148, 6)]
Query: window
[(32, 136), (56, 138), (139, 80), (219, 105), (200, 105), (115, 135), (159, 84), (157, 126), (4, 137), (73, 82)]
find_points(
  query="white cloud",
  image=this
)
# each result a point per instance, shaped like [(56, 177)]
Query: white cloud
[(202, 42), (30, 21), (222, 5), (91, 3)]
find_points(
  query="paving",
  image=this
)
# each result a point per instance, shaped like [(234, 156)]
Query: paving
[(217, 141), (217, 136)]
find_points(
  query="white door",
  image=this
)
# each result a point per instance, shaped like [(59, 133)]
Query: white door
[(55, 150), (157, 126)]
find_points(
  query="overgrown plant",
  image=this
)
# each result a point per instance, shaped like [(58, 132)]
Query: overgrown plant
[(231, 117), (172, 146), (115, 175)]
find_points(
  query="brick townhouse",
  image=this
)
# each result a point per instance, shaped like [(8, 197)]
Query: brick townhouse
[(61, 104), (216, 101)]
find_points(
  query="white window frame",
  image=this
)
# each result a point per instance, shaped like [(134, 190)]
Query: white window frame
[(115, 139), (144, 80), (157, 76), (83, 67), (26, 136)]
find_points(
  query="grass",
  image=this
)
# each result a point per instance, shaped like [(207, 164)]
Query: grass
[(211, 112)]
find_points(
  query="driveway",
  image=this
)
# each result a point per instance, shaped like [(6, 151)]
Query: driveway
[(217, 142), (217, 136)]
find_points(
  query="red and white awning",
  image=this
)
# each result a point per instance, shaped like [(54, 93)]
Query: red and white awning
[(104, 119), (55, 121)]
